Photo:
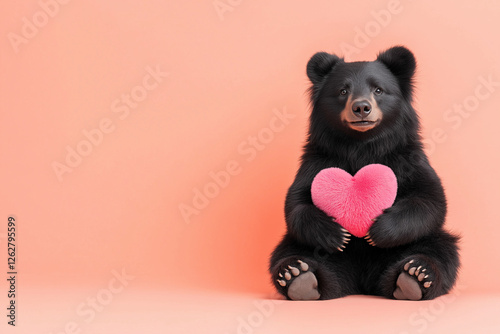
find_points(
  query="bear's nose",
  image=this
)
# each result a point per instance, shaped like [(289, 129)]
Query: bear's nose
[(361, 108)]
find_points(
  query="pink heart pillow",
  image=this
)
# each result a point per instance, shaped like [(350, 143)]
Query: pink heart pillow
[(355, 200)]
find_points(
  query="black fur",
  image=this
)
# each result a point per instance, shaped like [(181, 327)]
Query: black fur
[(413, 226)]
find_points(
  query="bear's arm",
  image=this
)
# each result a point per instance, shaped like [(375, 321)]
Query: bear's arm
[(305, 222), (419, 210)]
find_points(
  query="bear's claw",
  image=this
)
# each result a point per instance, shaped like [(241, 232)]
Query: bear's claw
[(301, 284), (418, 273), (412, 281), (368, 238)]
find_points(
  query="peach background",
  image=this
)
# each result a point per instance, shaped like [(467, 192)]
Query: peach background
[(226, 74)]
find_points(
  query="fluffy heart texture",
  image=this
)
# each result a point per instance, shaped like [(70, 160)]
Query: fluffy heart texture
[(355, 200)]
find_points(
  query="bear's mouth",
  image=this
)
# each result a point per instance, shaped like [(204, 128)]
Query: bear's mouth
[(363, 125), (363, 122)]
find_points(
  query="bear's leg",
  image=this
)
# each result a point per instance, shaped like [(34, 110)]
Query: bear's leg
[(425, 269), (302, 273)]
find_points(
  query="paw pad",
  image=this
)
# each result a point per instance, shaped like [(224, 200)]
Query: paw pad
[(300, 283), (292, 271), (417, 270), (414, 280)]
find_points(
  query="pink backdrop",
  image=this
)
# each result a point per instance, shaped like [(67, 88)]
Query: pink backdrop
[(160, 137)]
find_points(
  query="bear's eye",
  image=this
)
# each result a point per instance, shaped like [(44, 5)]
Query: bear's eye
[(343, 91), (378, 91)]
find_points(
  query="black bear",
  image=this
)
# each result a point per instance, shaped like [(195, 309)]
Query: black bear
[(362, 114)]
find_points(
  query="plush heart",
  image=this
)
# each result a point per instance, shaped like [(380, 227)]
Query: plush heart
[(355, 200)]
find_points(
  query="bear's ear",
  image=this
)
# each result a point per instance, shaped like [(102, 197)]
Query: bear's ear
[(401, 62), (320, 65)]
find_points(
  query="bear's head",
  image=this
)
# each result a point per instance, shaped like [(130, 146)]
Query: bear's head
[(363, 100)]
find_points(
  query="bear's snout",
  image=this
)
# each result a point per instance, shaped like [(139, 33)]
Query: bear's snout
[(361, 108), (361, 114)]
